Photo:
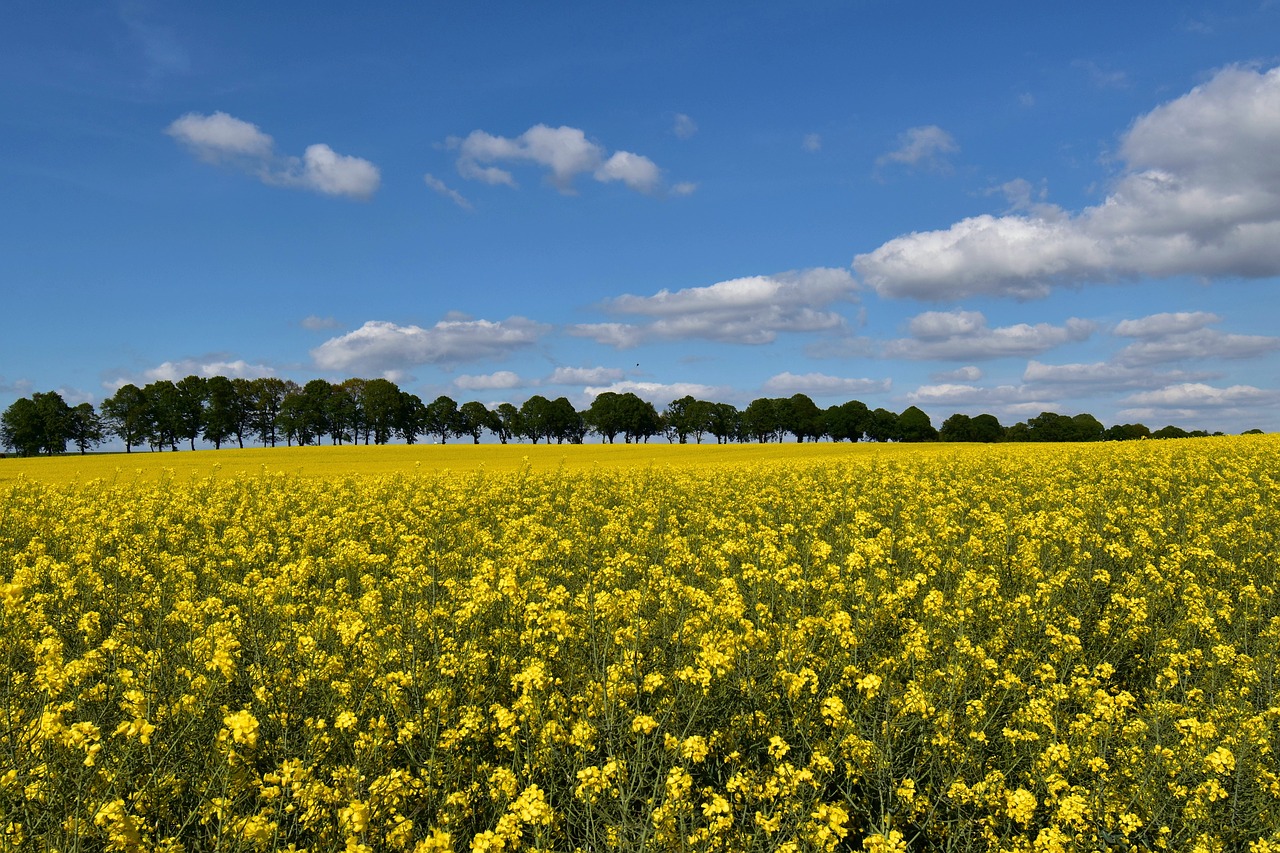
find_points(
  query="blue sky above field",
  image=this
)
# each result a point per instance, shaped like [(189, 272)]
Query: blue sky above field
[(1063, 207)]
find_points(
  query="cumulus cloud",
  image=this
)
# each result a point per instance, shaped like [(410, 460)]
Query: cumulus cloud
[(222, 139), (1185, 335), (502, 379), (443, 189), (1200, 195), (955, 335), (584, 376), (213, 365), (924, 148), (821, 385), (382, 346), (684, 127), (1197, 395), (750, 310), (662, 393), (565, 152)]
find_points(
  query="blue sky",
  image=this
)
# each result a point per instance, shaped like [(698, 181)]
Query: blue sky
[(1004, 208)]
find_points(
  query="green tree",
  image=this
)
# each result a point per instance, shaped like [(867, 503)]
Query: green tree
[(164, 423), (847, 421), (800, 416), (382, 401), (882, 425), (605, 415), (127, 415), (535, 418), (566, 423), (474, 418), (411, 419), (192, 392), (442, 419), (86, 427), (986, 428), (761, 419), (724, 421), (958, 427), (223, 411), (266, 399), (914, 425), (22, 428), (509, 423)]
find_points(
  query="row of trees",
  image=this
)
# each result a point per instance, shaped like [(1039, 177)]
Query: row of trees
[(222, 411)]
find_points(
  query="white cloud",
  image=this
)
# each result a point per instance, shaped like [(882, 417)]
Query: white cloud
[(1161, 325), (684, 127), (1197, 395), (960, 374), (443, 189), (811, 142), (751, 310), (564, 151), (318, 324), (965, 335), (488, 382), (1200, 196), (21, 387), (1102, 78), (382, 346), (1100, 376), (1009, 397), (821, 385), (923, 147), (684, 188), (207, 366), (660, 393), (219, 137), (223, 139), (639, 173), (1183, 335), (584, 376)]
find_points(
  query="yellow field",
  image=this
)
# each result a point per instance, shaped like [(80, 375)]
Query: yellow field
[(344, 460), (1017, 648)]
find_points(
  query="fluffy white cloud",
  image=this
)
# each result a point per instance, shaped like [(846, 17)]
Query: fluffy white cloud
[(584, 376), (1200, 196), (821, 385), (1197, 395), (924, 147), (383, 346), (172, 371), (1175, 337), (660, 393), (218, 137), (443, 189), (502, 379), (564, 151), (964, 335), (750, 310), (223, 139)]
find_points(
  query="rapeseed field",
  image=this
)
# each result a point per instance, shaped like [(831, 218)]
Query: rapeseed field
[(814, 648)]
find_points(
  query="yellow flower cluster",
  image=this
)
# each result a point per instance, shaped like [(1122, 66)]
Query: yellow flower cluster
[(1014, 648)]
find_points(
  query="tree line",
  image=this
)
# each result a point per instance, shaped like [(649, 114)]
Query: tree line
[(228, 412)]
